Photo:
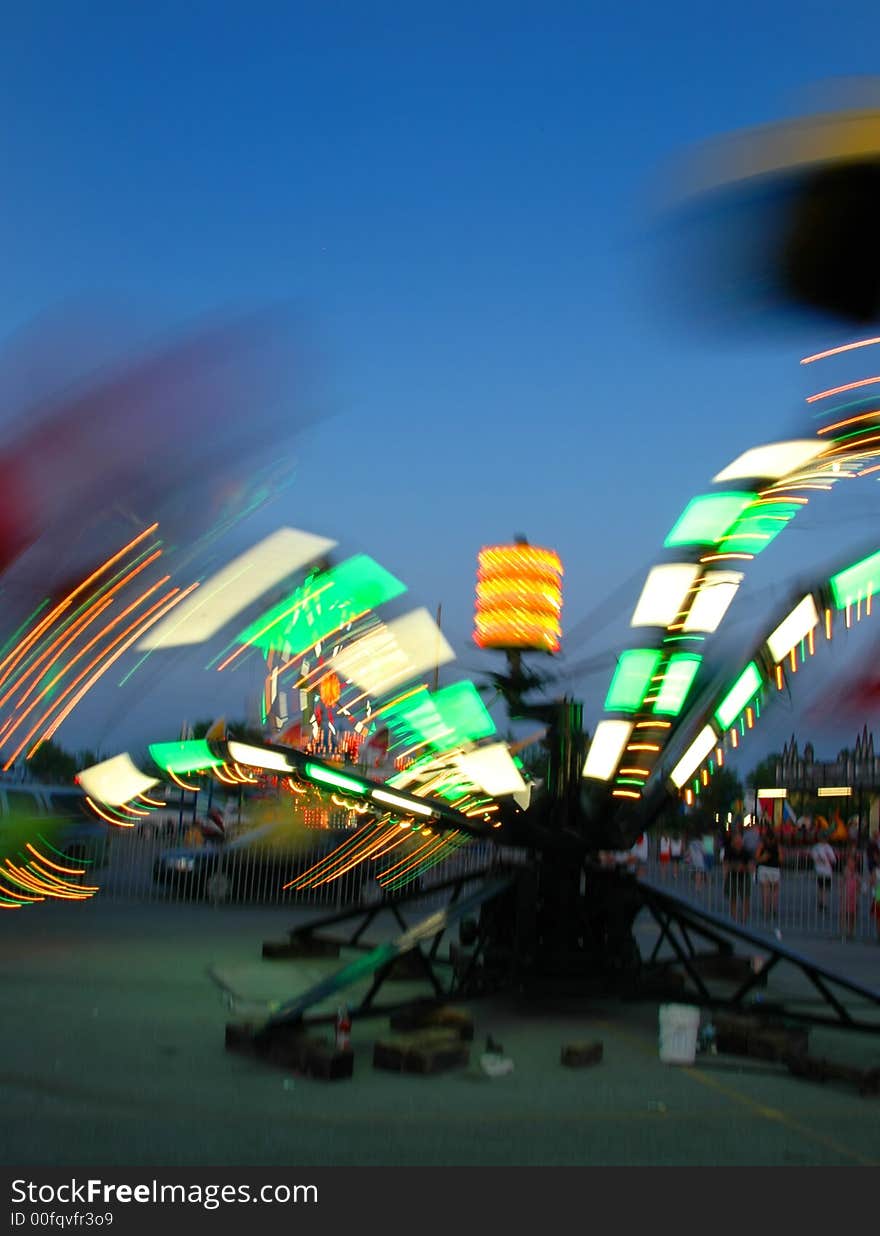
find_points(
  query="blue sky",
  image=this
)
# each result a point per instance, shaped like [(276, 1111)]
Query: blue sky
[(456, 198)]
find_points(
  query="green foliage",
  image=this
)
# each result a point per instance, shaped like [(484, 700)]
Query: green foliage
[(763, 775), (719, 796), (235, 729), (52, 763)]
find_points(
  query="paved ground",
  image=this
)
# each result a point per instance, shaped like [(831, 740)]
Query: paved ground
[(112, 1054)]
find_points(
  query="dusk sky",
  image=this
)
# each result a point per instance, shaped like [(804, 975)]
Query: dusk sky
[(457, 200)]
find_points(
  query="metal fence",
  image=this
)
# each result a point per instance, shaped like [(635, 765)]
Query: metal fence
[(145, 865), (138, 865), (801, 905)]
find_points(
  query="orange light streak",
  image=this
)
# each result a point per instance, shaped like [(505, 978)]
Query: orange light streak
[(840, 390), (65, 640), (109, 818), (57, 866), (413, 860), (82, 622), (154, 613), (334, 856), (353, 861), (68, 600), (625, 794), (65, 884), (844, 347), (10, 892), (396, 840), (275, 621), (183, 784), (29, 881), (850, 420), (17, 720)]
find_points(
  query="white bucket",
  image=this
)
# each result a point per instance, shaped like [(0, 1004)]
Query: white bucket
[(679, 1025)]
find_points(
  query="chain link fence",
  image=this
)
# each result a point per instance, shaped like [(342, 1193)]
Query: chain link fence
[(841, 906)]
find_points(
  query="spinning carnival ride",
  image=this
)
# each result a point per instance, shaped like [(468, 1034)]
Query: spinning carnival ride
[(548, 912)]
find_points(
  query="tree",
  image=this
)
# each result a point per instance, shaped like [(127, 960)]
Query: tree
[(719, 796), (235, 729), (763, 776), (52, 763)]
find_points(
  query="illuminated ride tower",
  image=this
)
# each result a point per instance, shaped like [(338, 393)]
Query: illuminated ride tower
[(565, 918)]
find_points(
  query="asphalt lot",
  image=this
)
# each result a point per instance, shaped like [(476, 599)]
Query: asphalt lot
[(113, 1054)]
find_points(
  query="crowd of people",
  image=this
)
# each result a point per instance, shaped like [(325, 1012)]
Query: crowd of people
[(753, 860)]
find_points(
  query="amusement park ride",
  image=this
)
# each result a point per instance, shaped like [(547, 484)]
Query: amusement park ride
[(550, 913)]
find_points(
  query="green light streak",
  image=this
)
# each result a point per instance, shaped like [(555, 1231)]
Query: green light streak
[(328, 776), (705, 519), (857, 582), (327, 602), (746, 686), (758, 527), (632, 680), (677, 680), (189, 755)]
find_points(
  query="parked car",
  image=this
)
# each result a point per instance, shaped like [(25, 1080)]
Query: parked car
[(251, 868), (58, 816)]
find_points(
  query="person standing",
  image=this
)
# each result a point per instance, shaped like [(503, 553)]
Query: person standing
[(824, 860), (697, 860), (849, 897), (676, 849), (664, 846), (738, 868), (769, 866)]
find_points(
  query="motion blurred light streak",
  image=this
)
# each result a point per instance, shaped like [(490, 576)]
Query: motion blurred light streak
[(160, 608), (60, 645), (329, 776), (844, 347), (352, 588), (115, 781), (793, 628), (839, 390), (705, 519), (678, 676), (68, 600), (347, 856), (632, 679), (607, 747), (188, 755), (664, 594), (404, 866), (743, 690), (405, 805), (95, 661), (855, 582), (354, 861), (711, 601), (257, 757), (111, 819), (492, 769), (693, 756), (241, 582), (340, 854), (393, 654), (770, 462)]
